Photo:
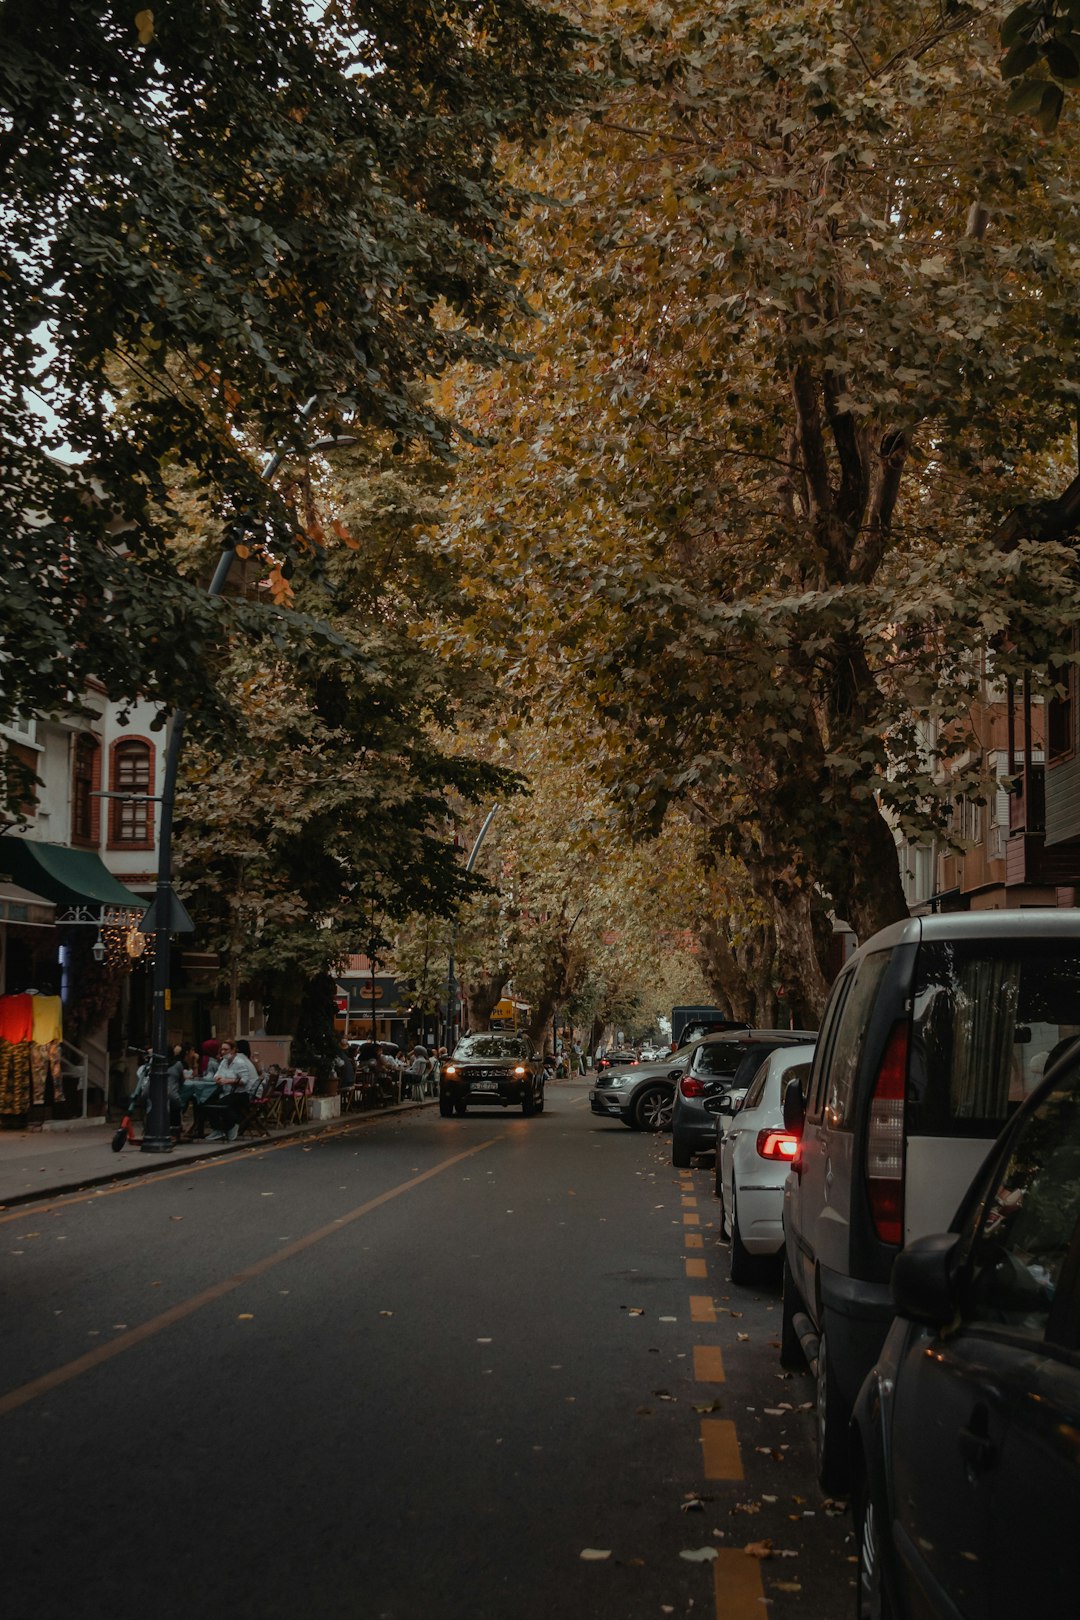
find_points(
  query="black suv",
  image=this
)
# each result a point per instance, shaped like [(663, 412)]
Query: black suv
[(493, 1068)]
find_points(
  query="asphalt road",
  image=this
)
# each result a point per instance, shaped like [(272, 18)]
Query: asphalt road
[(417, 1369)]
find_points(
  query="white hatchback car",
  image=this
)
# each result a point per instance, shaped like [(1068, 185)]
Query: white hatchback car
[(752, 1161)]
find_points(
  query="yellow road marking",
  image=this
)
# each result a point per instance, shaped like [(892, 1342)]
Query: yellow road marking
[(691, 1220), (696, 1268), (720, 1445), (739, 1592), (702, 1308), (708, 1364), (693, 1240), (689, 1203), (147, 1330)]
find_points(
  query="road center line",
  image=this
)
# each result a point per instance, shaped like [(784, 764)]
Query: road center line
[(740, 1594), (720, 1446), (157, 1324), (709, 1364)]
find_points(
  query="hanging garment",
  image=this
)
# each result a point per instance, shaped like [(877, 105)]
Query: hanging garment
[(16, 1018), (14, 1076), (48, 1020), (39, 1070)]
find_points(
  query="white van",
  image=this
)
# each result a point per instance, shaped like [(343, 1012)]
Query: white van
[(934, 1033)]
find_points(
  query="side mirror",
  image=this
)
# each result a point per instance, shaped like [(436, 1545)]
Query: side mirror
[(794, 1107), (923, 1288)]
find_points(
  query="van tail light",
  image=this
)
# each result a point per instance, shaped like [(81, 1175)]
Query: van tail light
[(691, 1086), (885, 1139), (777, 1145)]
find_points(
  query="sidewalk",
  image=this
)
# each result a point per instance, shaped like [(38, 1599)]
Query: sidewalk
[(45, 1164)]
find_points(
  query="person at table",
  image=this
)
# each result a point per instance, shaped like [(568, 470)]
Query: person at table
[(236, 1080)]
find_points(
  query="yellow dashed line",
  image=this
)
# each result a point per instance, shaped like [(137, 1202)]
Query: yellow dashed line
[(696, 1268), (693, 1240), (740, 1594), (689, 1203), (720, 1445), (691, 1220), (708, 1364), (702, 1308)]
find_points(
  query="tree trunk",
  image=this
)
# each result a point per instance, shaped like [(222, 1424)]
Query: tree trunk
[(788, 890), (875, 892), (482, 996), (539, 1023)]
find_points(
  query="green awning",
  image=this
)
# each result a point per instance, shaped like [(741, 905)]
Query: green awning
[(68, 877)]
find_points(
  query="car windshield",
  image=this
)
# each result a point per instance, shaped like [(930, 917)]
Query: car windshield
[(988, 1018), (492, 1046)]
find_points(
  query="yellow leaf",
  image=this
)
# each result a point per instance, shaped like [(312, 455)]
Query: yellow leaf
[(144, 24)]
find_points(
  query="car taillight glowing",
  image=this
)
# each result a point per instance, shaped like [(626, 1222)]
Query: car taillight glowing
[(691, 1086), (777, 1145), (885, 1139)]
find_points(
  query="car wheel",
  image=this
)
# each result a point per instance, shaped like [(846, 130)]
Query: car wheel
[(446, 1107), (744, 1265), (652, 1109), (460, 1106), (681, 1156), (791, 1350), (873, 1601), (528, 1104), (540, 1102), (832, 1422), (118, 1140)]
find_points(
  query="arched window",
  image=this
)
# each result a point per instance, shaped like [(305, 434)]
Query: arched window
[(132, 820), (86, 779)]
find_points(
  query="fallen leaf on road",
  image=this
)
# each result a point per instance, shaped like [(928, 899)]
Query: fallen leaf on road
[(776, 1411), (176, 1217), (386, 1313), (698, 1555), (758, 1549), (770, 1499), (483, 1341), (246, 1316), (746, 1507), (786, 1586), (742, 1337), (834, 1508), (634, 1310), (710, 1406), (663, 1395), (594, 1555), (693, 1504), (644, 1411), (669, 1319)]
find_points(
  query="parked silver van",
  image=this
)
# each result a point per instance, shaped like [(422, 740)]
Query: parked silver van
[(934, 1033)]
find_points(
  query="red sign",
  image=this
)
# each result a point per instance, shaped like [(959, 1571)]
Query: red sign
[(342, 1003)]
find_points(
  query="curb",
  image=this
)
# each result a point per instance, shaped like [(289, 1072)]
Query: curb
[(166, 1161)]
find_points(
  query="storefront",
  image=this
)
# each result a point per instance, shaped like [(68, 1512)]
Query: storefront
[(68, 940)]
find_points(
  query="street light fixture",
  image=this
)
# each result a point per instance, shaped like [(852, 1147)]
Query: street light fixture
[(451, 988)]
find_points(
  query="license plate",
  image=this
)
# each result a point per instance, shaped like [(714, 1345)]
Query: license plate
[(484, 1085)]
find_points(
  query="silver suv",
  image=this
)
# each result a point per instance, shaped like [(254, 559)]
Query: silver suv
[(934, 1033)]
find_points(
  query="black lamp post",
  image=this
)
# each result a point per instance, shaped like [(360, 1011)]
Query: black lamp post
[(167, 915)]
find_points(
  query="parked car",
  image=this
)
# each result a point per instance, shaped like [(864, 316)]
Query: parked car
[(640, 1096), (966, 1436), (613, 1060), (934, 1032), (753, 1157), (695, 1028), (492, 1068), (715, 1080)]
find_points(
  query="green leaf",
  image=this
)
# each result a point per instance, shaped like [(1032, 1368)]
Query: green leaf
[(1050, 108), (1026, 95), (1019, 58)]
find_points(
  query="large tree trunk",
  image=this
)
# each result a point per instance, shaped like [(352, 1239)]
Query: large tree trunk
[(788, 890), (875, 896), (482, 996)]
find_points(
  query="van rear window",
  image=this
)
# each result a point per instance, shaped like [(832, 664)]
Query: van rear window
[(987, 1018)]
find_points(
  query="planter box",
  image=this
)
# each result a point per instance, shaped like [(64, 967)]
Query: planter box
[(324, 1108)]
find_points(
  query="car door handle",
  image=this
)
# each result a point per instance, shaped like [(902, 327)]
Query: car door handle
[(974, 1443)]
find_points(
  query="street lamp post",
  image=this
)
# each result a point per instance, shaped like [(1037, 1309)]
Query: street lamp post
[(167, 914), (451, 988)]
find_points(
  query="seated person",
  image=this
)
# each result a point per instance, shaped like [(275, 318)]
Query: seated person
[(236, 1080)]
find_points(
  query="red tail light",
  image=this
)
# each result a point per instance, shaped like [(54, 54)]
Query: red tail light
[(691, 1086), (885, 1139), (777, 1145)]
